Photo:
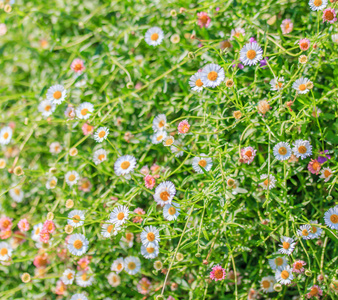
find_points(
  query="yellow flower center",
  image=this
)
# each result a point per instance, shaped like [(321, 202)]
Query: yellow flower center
[(71, 177), (282, 151), (202, 163), (251, 54), (17, 191), (172, 210), (110, 228), (150, 250), (84, 277), (199, 82), (131, 265), (305, 232), (47, 108), (120, 215), (57, 95), (102, 134), (266, 182), (212, 75), (314, 229), (70, 276), (334, 219), (101, 157), (76, 219), (154, 36), (327, 173), (78, 244), (302, 87), (161, 124), (5, 135), (119, 267), (266, 284), (84, 111), (314, 291), (169, 142), (317, 2), (3, 251), (125, 165), (160, 137), (285, 274), (298, 266), (286, 245), (150, 236), (164, 196), (219, 274), (279, 261), (329, 15), (302, 149)]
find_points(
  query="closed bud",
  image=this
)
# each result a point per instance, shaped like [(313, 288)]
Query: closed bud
[(26, 277), (277, 287), (179, 256), (159, 297), (68, 229), (130, 85), (308, 273), (173, 13), (191, 55), (50, 216), (18, 171), (52, 170), (7, 8), (69, 203), (329, 198), (198, 255)]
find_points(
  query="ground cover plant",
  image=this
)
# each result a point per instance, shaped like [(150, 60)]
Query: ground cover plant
[(168, 149)]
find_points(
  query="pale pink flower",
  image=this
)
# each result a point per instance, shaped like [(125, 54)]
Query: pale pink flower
[(217, 273), (144, 170), (5, 223), (155, 168), (149, 182), (23, 225), (85, 185), (314, 166), (70, 112), (286, 26), (247, 155), (183, 127), (298, 266), (44, 236), (144, 286), (49, 226), (87, 129), (231, 276), (203, 19), (140, 212), (329, 15), (5, 234), (304, 44), (315, 291), (78, 66), (41, 260), (60, 288), (170, 298), (18, 238), (83, 264)]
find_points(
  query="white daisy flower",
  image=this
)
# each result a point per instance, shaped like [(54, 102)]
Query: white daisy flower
[(5, 251), (157, 265), (73, 151), (160, 123), (76, 218), (331, 217), (282, 151), (56, 94), (268, 183), (287, 246), (36, 232), (119, 215), (72, 177), (101, 134), (196, 83), (277, 84), (316, 231), (70, 112), (334, 38), (150, 236), (267, 284), (202, 162), (132, 265), (154, 36), (17, 194), (55, 148), (278, 262), (5, 135), (150, 252), (99, 156), (51, 183), (251, 54), (84, 279), (108, 230), (326, 173), (171, 211), (46, 108), (168, 141), (304, 232), (77, 244), (114, 279), (124, 165), (302, 149), (68, 276), (164, 193), (158, 137), (317, 4), (237, 32), (284, 275), (301, 85), (84, 110), (176, 148), (79, 297), (117, 265), (127, 241), (212, 75)]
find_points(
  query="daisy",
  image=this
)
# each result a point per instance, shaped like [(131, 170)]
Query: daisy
[(84, 110), (203, 19), (72, 177), (277, 262), (196, 83), (2, 163), (77, 244), (334, 38), (304, 232), (114, 279), (315, 291), (282, 151), (202, 162), (248, 154), (331, 217), (168, 141), (171, 211), (87, 129), (326, 173), (36, 232), (139, 211), (298, 266), (73, 151), (225, 45), (5, 223), (119, 215), (51, 183), (263, 107), (79, 297), (286, 26), (84, 279), (284, 275), (17, 194), (178, 148), (149, 181), (117, 265), (237, 32), (277, 83), (160, 123), (56, 94), (302, 149), (267, 284), (315, 231), (5, 135), (164, 193), (23, 225), (317, 4), (158, 265), (76, 218), (46, 108), (217, 273), (77, 66), (124, 165), (304, 44), (212, 75), (287, 246), (5, 251), (68, 276), (132, 265), (150, 252), (269, 181), (143, 286), (251, 54), (314, 166), (127, 241), (154, 36), (70, 112), (158, 137), (109, 230), (99, 156), (101, 134), (150, 236), (329, 15), (55, 148)]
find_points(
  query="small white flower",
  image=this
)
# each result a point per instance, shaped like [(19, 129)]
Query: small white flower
[(5, 135), (56, 94), (150, 252), (110, 229), (158, 137), (302, 149), (251, 54), (51, 183), (212, 75), (84, 279), (84, 110), (5, 251), (282, 151), (316, 231), (160, 123), (124, 165), (301, 85), (268, 183), (72, 178), (284, 275), (132, 265), (168, 141), (237, 32), (114, 279), (331, 217), (150, 236), (119, 215), (16, 194), (101, 134), (326, 173), (277, 262), (46, 108), (76, 218), (202, 162), (334, 38), (176, 148), (36, 232), (55, 148), (277, 84), (304, 232), (171, 211), (267, 284), (77, 244), (196, 83), (154, 36), (117, 265), (287, 246), (68, 276), (79, 297), (99, 156), (164, 193), (317, 4)]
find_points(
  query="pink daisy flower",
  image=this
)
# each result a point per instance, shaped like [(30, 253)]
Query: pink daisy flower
[(5, 223), (23, 225), (247, 155), (297, 266), (315, 291), (149, 182), (49, 226), (44, 236), (144, 170), (60, 288), (329, 15), (217, 273), (77, 66), (83, 264), (203, 19), (41, 260), (314, 166), (87, 129), (286, 26), (183, 127), (155, 168), (170, 298), (304, 44), (140, 212), (85, 185), (144, 286), (5, 234)]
